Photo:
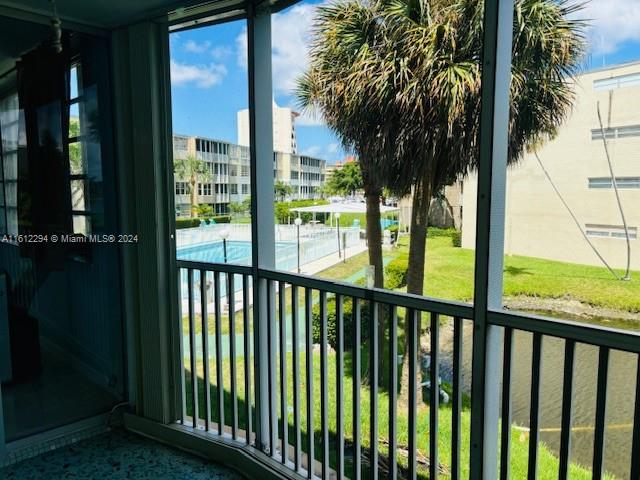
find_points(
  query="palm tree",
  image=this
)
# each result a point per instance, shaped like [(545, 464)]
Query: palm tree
[(282, 190), (435, 49), (438, 91), (345, 72), (399, 81), (192, 171)]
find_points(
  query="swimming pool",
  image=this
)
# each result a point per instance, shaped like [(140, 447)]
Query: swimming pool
[(238, 252)]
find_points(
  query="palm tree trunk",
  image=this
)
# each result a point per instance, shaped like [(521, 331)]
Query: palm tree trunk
[(193, 196), (374, 243), (374, 236), (415, 272), (418, 239)]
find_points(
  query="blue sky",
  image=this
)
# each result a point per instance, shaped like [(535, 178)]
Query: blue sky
[(209, 73)]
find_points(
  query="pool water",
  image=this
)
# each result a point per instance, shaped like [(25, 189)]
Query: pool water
[(238, 252)]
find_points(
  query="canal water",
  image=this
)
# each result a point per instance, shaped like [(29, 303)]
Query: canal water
[(620, 397)]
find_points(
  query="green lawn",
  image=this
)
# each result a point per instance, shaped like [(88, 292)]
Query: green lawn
[(548, 463), (449, 275)]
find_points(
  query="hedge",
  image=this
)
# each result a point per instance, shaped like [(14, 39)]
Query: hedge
[(347, 321), (456, 239), (195, 222), (396, 272), (187, 223), (219, 219)]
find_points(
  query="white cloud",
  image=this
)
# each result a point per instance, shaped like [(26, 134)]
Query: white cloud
[(612, 23), (203, 76), (290, 46), (221, 51), (241, 49), (332, 148), (309, 119), (195, 47)]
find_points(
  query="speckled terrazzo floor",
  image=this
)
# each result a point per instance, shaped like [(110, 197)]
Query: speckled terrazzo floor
[(117, 455)]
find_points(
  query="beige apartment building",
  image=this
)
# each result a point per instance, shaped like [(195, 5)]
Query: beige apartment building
[(284, 129), (230, 174), (536, 222)]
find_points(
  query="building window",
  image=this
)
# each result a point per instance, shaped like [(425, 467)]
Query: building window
[(620, 81), (245, 188), (245, 171), (204, 189), (616, 132), (621, 182), (233, 171), (234, 189), (610, 231), (294, 175), (181, 188)]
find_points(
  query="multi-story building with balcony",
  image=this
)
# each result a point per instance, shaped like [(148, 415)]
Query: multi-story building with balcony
[(304, 174), (229, 166)]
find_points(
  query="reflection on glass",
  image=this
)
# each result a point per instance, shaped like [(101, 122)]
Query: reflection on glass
[(9, 121), (78, 195), (81, 224)]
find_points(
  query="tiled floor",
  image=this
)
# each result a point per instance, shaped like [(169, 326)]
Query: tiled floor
[(117, 455)]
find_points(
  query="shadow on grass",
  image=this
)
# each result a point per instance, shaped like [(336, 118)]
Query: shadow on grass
[(349, 449)]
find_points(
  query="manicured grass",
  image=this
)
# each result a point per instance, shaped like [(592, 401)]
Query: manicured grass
[(449, 275), (548, 463)]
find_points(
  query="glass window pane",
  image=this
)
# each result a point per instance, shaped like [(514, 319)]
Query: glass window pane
[(73, 83), (209, 83), (76, 158), (79, 201), (82, 224), (74, 120)]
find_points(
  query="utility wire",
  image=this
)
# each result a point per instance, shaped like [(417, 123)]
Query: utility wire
[(595, 250), (627, 276)]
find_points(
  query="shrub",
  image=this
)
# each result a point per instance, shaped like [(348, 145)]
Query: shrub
[(396, 272), (221, 219), (187, 223), (440, 232), (456, 238), (347, 321)]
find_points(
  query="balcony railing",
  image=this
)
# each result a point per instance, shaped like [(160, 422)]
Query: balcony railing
[(220, 377)]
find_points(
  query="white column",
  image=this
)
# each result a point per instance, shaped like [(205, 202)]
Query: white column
[(262, 202), (487, 339)]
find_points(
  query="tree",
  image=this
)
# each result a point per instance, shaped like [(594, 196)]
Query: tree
[(282, 190), (438, 91), (437, 97), (237, 208), (415, 67), (343, 73), (204, 210), (345, 180), (192, 171)]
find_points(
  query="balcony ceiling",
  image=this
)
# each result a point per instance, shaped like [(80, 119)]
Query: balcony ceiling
[(104, 13)]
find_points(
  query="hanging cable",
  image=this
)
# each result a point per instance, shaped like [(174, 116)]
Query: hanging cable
[(566, 206), (627, 275)]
